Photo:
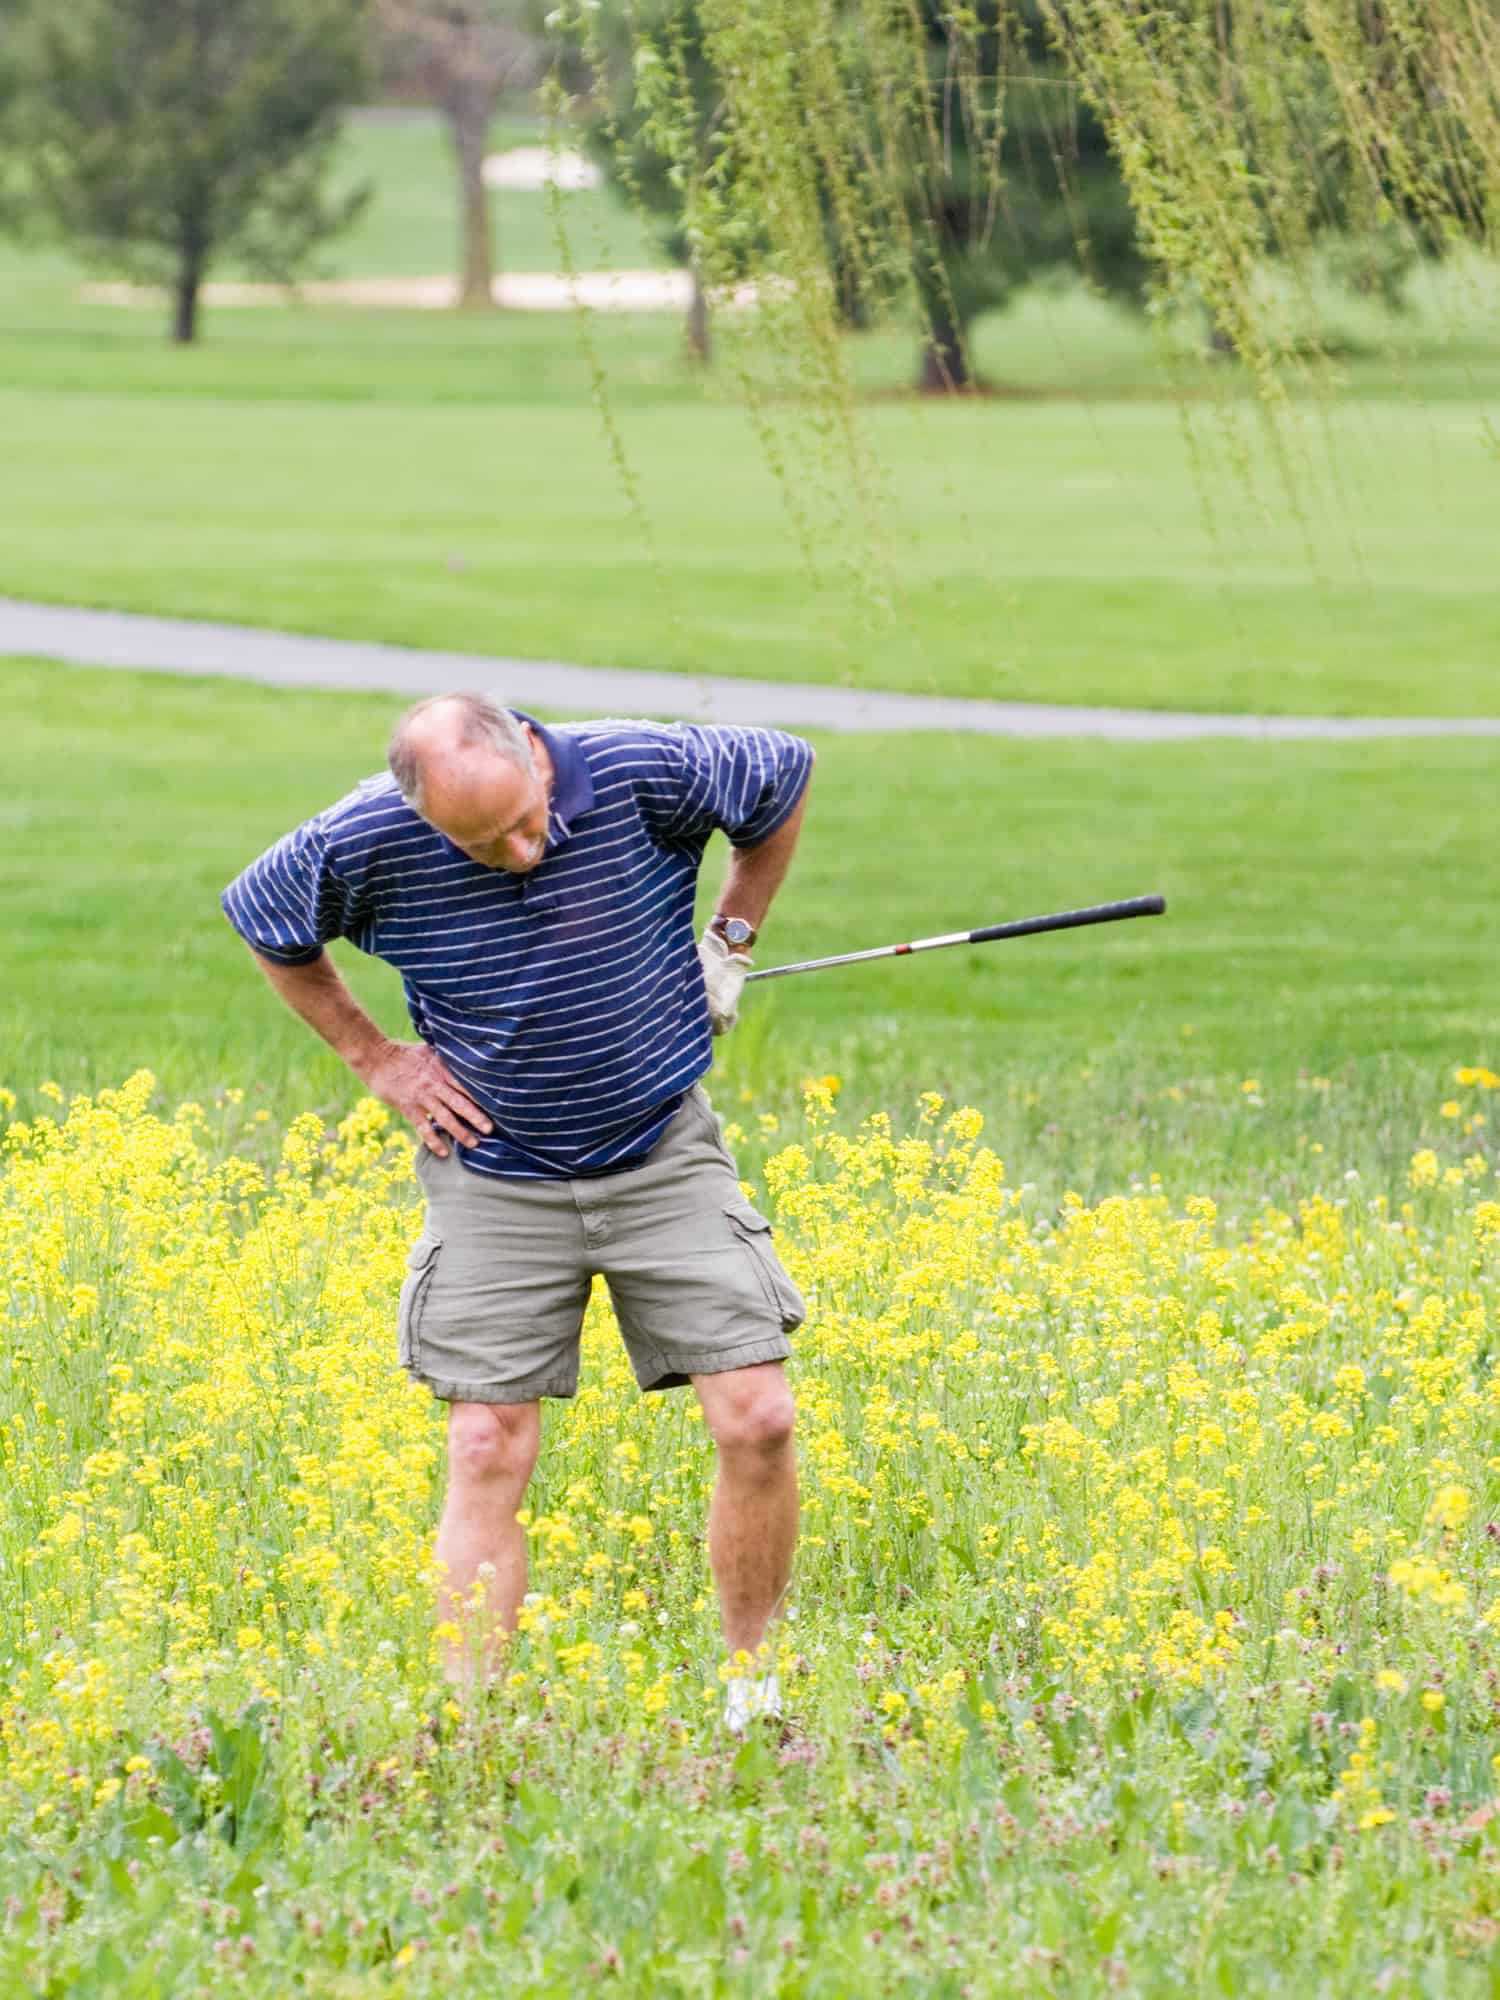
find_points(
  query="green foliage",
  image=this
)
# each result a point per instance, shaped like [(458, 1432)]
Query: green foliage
[(651, 157), (855, 155), (9, 16), (1020, 183), (162, 135), (1024, 181)]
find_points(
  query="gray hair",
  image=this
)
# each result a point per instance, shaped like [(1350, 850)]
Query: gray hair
[(479, 720)]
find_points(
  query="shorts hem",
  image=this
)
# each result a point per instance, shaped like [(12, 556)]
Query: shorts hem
[(671, 1371), (497, 1392)]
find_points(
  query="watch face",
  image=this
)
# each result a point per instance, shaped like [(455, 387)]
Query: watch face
[(737, 931)]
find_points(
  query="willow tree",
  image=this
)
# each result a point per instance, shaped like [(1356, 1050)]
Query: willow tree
[(1023, 185), (994, 218), (1238, 133), (623, 133)]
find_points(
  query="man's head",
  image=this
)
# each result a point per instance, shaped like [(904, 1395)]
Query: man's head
[(476, 774)]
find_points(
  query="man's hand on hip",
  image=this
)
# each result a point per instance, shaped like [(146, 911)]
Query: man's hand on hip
[(413, 1079), (724, 974), (408, 1076)]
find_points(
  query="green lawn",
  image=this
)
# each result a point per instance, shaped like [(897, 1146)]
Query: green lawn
[(435, 479), (1323, 920), (449, 484)]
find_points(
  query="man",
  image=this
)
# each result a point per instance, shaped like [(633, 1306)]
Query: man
[(535, 888)]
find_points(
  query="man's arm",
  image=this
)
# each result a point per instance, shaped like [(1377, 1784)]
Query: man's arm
[(408, 1076), (754, 875)]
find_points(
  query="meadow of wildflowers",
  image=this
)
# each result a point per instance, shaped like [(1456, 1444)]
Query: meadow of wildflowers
[(1145, 1636)]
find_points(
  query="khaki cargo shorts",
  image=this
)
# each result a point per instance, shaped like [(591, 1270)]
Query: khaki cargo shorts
[(493, 1303)]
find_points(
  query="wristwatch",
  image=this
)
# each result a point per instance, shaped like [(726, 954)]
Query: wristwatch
[(736, 933)]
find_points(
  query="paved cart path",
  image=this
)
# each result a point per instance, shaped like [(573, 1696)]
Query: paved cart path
[(183, 646)]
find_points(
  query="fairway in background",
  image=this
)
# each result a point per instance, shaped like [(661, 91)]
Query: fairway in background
[(1094, 533), (448, 485)]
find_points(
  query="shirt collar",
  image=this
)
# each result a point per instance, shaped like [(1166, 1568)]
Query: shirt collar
[(572, 786)]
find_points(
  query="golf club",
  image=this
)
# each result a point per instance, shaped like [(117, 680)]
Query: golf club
[(1064, 920)]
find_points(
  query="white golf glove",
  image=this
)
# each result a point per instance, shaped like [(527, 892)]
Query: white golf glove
[(724, 974)]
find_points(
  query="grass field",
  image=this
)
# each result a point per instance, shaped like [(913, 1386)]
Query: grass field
[(447, 481), (1143, 1635)]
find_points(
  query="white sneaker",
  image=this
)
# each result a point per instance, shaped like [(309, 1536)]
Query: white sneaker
[(747, 1701)]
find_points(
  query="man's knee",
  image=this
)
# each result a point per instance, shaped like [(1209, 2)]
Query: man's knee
[(752, 1412), (493, 1443)]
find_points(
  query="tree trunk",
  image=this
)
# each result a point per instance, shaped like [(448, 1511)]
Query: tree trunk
[(1220, 339), (469, 110), (185, 297), (945, 361), (698, 337)]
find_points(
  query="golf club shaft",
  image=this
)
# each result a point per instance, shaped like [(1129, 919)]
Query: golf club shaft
[(1064, 920)]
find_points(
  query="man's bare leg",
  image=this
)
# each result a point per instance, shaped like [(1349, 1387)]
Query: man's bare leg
[(492, 1449), (752, 1522)]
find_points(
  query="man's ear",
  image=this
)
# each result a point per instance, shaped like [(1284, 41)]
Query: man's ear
[(538, 749)]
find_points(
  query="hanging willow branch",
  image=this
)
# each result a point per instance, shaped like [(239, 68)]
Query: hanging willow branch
[(848, 160)]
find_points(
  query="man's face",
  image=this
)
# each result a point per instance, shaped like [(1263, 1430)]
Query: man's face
[(492, 809)]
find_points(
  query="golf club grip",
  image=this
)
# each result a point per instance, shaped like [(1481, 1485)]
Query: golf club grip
[(1072, 920)]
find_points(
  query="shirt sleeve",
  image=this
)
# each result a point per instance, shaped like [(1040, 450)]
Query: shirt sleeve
[(292, 901), (739, 781)]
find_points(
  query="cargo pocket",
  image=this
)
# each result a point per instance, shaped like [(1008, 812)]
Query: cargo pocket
[(781, 1295), (421, 1268)]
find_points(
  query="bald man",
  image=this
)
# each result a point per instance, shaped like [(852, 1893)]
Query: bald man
[(535, 889)]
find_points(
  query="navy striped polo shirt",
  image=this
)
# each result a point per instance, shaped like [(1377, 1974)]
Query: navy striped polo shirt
[(568, 1002)]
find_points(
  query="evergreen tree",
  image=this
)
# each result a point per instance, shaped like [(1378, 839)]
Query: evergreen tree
[(9, 78), (160, 136)]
